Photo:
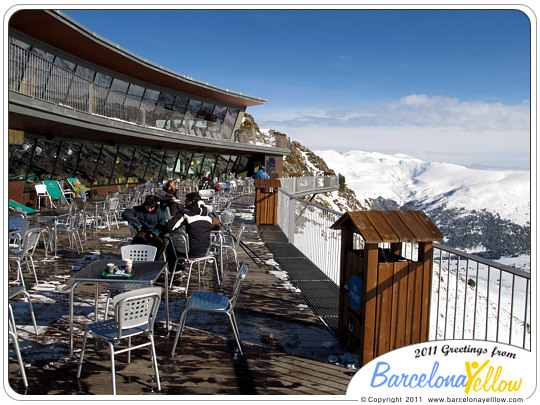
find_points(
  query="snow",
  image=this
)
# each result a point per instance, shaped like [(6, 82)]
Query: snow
[(403, 178)]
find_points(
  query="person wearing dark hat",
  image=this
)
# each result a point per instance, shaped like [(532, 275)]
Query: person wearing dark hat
[(261, 173), (149, 223)]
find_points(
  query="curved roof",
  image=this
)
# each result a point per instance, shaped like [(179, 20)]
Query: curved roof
[(61, 31)]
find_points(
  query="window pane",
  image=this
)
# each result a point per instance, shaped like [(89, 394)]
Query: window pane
[(195, 167), (154, 166), (103, 80), (44, 159), (106, 165), (119, 85), (230, 120), (66, 165), (135, 92), (85, 73), (138, 166), (208, 165), (88, 163), (183, 164), (122, 165), (19, 160), (64, 64)]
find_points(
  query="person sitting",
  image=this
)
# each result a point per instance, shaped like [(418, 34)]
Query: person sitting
[(149, 223), (167, 197), (261, 173), (206, 184), (195, 216), (81, 190)]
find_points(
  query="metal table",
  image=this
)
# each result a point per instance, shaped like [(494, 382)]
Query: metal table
[(145, 272)]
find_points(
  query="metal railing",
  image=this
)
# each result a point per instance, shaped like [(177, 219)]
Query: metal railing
[(471, 297), (34, 76), (309, 184)]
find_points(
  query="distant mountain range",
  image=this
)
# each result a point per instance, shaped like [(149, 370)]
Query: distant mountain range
[(479, 211)]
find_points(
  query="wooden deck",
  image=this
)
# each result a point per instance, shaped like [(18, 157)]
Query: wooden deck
[(287, 349)]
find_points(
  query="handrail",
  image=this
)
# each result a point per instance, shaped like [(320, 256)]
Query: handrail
[(34, 76), (472, 297)]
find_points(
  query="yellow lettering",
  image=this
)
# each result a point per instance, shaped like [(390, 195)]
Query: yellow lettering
[(471, 376)]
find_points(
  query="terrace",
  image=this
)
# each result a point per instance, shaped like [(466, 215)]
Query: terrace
[(287, 314)]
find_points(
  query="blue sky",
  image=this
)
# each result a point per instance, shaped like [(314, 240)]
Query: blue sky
[(440, 85)]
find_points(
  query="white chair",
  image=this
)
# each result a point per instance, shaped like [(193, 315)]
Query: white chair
[(180, 245), (217, 303), (71, 227), (134, 314), (17, 228), (13, 334), (141, 253), (25, 253), (41, 192)]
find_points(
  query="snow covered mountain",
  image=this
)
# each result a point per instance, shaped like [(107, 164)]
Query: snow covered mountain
[(479, 211)]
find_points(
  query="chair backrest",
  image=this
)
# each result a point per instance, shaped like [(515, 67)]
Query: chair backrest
[(18, 224), (54, 189), (228, 217), (41, 190), (31, 240), (16, 205), (136, 308), (143, 253), (238, 238), (206, 194), (114, 203), (180, 243), (240, 276)]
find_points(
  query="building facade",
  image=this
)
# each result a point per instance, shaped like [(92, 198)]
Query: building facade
[(81, 106)]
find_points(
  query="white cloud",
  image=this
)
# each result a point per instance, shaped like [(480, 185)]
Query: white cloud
[(471, 133)]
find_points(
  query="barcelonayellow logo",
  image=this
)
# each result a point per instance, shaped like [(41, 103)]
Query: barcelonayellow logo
[(455, 367)]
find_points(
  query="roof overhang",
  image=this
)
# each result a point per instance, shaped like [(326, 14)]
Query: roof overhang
[(62, 32)]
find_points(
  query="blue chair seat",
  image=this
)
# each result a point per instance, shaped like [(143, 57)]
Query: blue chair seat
[(208, 301)]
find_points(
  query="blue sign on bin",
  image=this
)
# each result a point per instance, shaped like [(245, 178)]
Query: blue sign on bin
[(355, 292)]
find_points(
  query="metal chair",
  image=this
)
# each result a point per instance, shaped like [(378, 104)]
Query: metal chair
[(13, 334), (25, 253), (17, 228), (135, 253), (71, 227), (217, 303), (134, 314), (233, 244), (12, 293), (180, 246)]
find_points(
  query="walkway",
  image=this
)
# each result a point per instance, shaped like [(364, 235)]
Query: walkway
[(321, 293), (288, 350)]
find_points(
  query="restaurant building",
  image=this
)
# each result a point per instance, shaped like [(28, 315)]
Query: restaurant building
[(82, 106)]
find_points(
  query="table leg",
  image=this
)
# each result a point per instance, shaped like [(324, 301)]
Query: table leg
[(96, 303)]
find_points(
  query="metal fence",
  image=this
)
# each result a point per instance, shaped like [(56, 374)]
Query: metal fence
[(39, 78), (471, 297)]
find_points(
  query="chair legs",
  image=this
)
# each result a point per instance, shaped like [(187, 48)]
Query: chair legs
[(182, 324), (15, 339), (113, 352)]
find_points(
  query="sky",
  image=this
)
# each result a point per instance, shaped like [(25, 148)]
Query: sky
[(446, 85)]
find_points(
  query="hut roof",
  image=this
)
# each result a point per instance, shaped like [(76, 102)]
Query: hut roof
[(392, 226)]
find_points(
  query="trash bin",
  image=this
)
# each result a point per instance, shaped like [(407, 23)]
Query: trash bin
[(266, 201), (384, 298)]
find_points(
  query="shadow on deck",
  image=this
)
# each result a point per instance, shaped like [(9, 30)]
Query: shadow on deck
[(287, 349)]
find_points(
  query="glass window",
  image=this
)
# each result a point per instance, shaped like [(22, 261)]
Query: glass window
[(135, 92), (36, 73), (44, 159), (122, 165), (64, 64), (220, 170), (119, 85), (138, 166), (209, 165), (106, 164), (85, 73), (230, 120), (19, 161), (88, 163), (167, 168), (183, 164), (103, 80), (195, 166), (66, 164), (154, 166)]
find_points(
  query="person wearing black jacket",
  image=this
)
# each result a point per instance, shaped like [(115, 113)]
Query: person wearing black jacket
[(195, 216)]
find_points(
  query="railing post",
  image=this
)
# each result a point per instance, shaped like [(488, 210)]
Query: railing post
[(292, 220)]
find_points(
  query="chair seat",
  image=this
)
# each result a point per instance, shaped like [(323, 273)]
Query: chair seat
[(224, 245), (208, 301), (14, 291), (108, 330)]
